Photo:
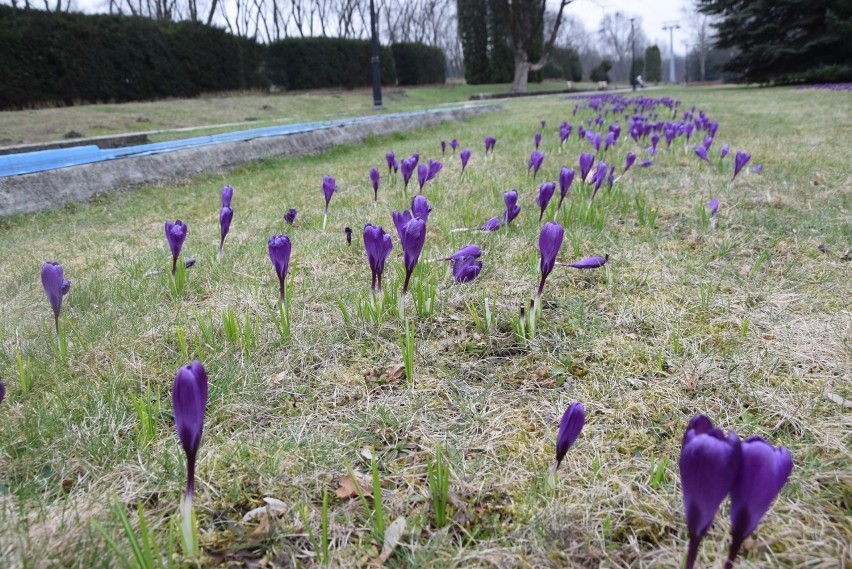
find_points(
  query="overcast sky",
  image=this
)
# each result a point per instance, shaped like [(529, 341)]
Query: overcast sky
[(654, 14)]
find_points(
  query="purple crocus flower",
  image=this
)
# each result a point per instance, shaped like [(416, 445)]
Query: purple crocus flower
[(762, 474), (466, 269), (374, 179), (279, 254), (593, 262), (189, 400), (176, 235), (701, 152), (2, 391), (566, 177), (586, 161), (490, 142), (290, 216), (549, 242), (454, 144), (708, 141), (466, 251), (512, 208), (655, 139), (55, 287), (400, 219), (569, 429), (545, 193), (628, 161), (329, 186), (189, 262), (390, 157), (348, 231), (740, 160), (420, 207), (757, 168), (408, 165), (227, 195), (465, 156), (412, 236), (543, 122), (378, 245), (443, 148), (645, 163), (564, 132), (422, 175), (725, 149), (714, 207), (225, 217), (537, 139), (416, 157), (598, 178), (536, 159), (708, 463), (492, 224), (610, 140)]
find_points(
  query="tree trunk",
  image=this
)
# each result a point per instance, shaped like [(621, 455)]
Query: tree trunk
[(522, 71)]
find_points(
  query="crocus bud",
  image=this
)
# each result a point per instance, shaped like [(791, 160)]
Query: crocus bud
[(537, 139), (545, 193), (701, 152), (566, 177), (740, 160), (227, 195), (329, 186), (549, 242), (708, 463), (465, 156), (55, 287), (378, 245), (725, 149), (189, 400), (762, 474), (374, 180), (422, 175), (225, 217), (586, 161), (390, 158), (569, 429), (290, 216), (413, 238), (714, 207), (512, 208), (420, 207), (454, 144), (176, 235), (279, 254), (628, 161), (348, 232), (443, 148), (466, 269), (492, 224), (536, 159)]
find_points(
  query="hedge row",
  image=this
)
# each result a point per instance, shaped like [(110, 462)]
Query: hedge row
[(50, 58), (67, 58)]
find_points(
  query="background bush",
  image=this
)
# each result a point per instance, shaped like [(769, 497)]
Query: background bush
[(312, 63), (50, 58), (419, 64)]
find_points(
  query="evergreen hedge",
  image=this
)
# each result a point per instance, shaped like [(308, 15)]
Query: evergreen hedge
[(312, 63), (419, 64), (50, 58)]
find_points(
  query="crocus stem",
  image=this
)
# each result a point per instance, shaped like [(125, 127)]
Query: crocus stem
[(56, 323), (187, 527), (282, 288), (219, 252), (733, 551), (463, 229), (174, 265), (324, 220), (692, 553)]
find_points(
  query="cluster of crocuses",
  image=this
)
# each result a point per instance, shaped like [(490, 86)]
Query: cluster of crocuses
[(714, 465)]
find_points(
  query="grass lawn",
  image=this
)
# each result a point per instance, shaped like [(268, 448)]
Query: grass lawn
[(238, 111), (747, 322)]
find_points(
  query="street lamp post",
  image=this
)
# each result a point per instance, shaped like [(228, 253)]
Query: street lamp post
[(671, 27), (632, 55), (377, 81)]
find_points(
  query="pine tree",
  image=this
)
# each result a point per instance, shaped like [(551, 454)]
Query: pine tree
[(653, 65), (473, 31)]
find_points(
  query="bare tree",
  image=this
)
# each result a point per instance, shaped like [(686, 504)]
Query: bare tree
[(702, 42)]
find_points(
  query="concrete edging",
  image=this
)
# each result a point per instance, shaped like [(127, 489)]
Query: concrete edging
[(53, 188)]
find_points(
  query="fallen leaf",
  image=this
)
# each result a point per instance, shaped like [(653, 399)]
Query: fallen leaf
[(347, 486), (393, 533), (273, 506), (277, 378)]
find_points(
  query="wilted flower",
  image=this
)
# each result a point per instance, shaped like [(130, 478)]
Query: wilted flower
[(412, 236), (465, 156), (227, 195), (225, 217), (549, 242), (701, 152), (290, 216), (593, 262), (708, 463), (374, 179), (586, 162), (724, 152), (420, 207), (279, 254), (740, 160), (492, 224), (512, 207), (466, 269), (569, 429), (348, 231), (714, 206), (55, 287), (176, 235), (537, 139), (545, 193), (566, 177), (189, 402), (466, 251), (536, 159), (762, 474), (628, 161), (329, 186), (378, 245)]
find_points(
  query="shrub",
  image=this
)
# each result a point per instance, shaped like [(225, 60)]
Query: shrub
[(419, 64)]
